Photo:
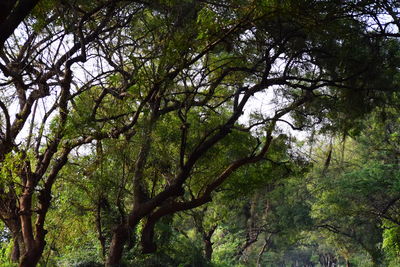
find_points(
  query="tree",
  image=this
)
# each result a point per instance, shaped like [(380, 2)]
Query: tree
[(36, 68), (89, 72), (357, 196)]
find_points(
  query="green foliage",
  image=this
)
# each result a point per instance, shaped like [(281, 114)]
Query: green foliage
[(6, 246), (162, 109)]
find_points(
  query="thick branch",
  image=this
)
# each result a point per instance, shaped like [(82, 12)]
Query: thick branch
[(173, 207), (14, 16)]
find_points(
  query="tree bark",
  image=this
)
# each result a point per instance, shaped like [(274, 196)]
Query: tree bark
[(120, 236), (208, 245), (34, 246), (208, 250), (18, 247), (32, 257)]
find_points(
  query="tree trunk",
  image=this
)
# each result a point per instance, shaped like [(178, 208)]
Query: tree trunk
[(33, 234), (18, 247), (34, 247), (32, 257), (208, 250), (120, 236), (208, 245), (15, 254)]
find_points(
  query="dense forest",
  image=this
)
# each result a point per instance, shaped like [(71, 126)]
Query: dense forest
[(200, 133)]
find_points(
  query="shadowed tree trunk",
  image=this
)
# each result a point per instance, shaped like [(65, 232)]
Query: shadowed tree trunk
[(208, 245), (18, 247)]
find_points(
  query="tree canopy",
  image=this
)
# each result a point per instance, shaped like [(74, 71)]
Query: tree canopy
[(129, 128)]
